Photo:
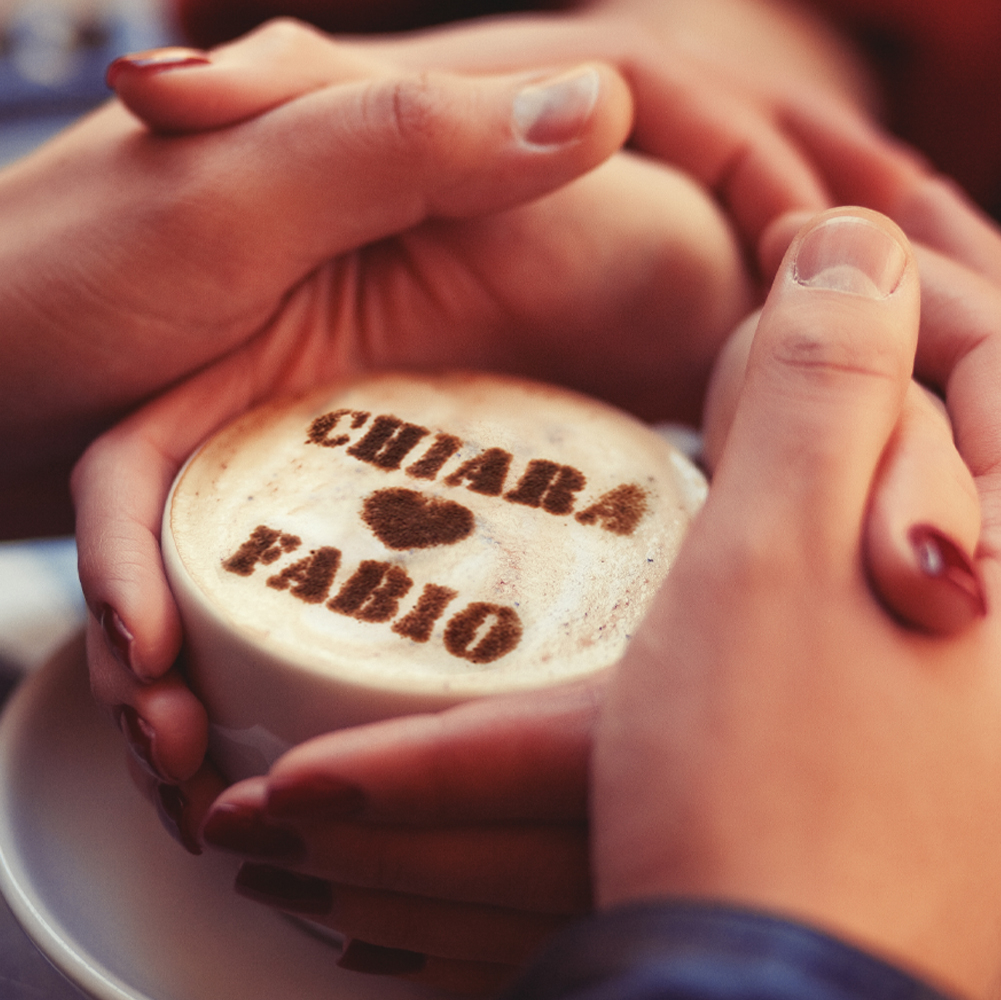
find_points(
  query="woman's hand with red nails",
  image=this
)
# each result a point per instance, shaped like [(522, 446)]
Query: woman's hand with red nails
[(930, 498), (434, 248), (457, 839), (923, 522)]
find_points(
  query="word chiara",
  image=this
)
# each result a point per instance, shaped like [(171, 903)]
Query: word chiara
[(404, 519)]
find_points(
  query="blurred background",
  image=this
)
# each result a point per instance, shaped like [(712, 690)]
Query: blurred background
[(53, 55)]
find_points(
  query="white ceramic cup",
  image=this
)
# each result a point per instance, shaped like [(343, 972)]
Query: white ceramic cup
[(401, 543)]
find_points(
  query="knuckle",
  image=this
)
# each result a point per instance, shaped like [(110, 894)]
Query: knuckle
[(416, 112), (413, 107), (829, 354), (760, 558), (282, 32)]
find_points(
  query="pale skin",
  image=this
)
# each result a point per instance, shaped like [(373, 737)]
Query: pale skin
[(463, 966), (930, 66), (801, 753), (112, 171), (100, 324), (671, 240), (478, 768)]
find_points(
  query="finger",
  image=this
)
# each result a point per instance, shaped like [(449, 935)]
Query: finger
[(164, 725), (723, 392), (510, 759), (134, 631), (727, 142), (776, 239), (472, 978), (119, 489), (120, 571), (190, 90), (960, 352), (684, 115), (826, 378), (924, 524), (959, 348), (397, 920), (180, 807), (539, 869), (536, 868), (338, 168), (863, 165)]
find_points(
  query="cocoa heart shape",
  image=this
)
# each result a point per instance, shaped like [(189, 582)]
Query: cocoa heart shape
[(406, 519)]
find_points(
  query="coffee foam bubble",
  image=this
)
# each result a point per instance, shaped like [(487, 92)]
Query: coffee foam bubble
[(457, 533)]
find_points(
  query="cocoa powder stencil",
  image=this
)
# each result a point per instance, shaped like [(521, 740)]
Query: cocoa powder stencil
[(446, 535)]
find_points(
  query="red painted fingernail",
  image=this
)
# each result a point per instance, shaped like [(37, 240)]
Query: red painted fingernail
[(243, 829), (172, 808), (360, 956), (284, 890), (315, 797), (141, 738), (117, 636), (155, 61), (940, 558)]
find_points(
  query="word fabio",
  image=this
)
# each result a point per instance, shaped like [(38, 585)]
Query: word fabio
[(480, 633), (544, 485)]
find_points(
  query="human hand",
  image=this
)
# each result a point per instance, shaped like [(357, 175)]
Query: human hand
[(129, 261), (923, 520), (959, 252), (920, 477), (621, 252), (388, 756), (445, 847), (773, 739), (714, 82), (728, 135)]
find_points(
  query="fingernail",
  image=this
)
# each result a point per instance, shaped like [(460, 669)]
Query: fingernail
[(555, 112), (172, 808), (155, 61), (940, 558), (141, 738), (117, 636), (284, 890), (244, 830), (315, 797), (360, 956), (847, 253)]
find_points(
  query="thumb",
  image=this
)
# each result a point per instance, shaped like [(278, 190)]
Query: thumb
[(363, 159), (924, 514), (923, 521), (826, 378), (769, 580)]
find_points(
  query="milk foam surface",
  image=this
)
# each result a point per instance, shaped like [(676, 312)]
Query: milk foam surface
[(456, 533)]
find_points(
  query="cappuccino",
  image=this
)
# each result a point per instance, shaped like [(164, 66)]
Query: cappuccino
[(401, 543)]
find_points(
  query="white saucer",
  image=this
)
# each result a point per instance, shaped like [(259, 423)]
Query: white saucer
[(118, 907)]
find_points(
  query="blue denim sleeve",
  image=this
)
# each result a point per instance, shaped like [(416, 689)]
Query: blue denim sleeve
[(691, 951)]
